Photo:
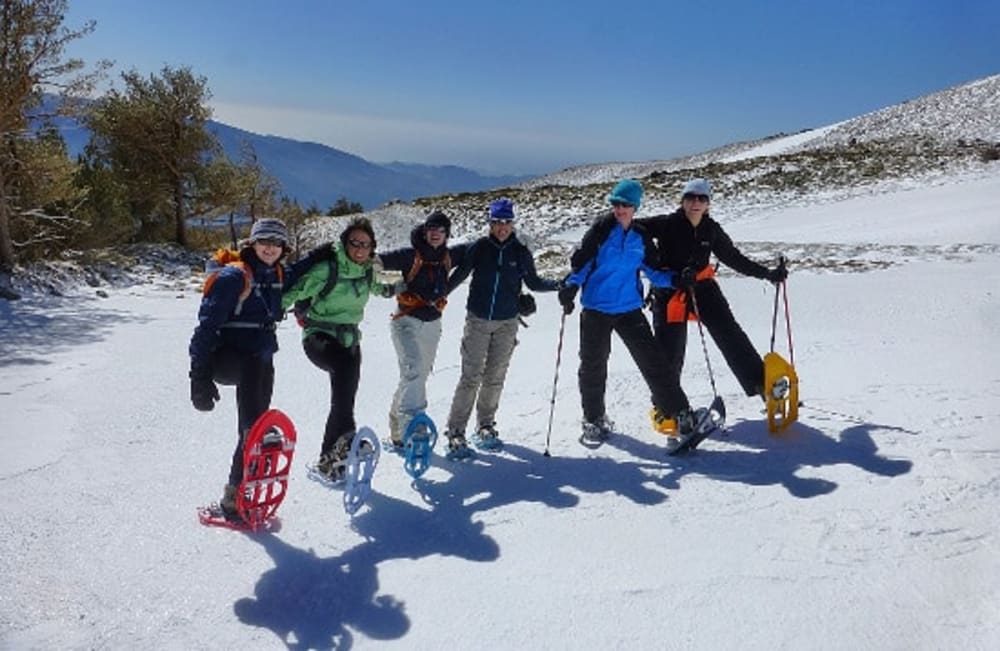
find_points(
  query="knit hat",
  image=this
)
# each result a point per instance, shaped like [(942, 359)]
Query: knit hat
[(502, 210), (439, 220), (628, 191), (698, 186), (269, 229)]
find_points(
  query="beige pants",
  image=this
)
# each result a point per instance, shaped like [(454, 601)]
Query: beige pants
[(487, 347), (416, 344)]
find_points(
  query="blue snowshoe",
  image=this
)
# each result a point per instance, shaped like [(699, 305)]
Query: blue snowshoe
[(487, 438), (361, 462), (418, 443)]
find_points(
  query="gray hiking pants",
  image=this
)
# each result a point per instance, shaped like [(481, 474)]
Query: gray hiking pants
[(416, 344), (487, 347)]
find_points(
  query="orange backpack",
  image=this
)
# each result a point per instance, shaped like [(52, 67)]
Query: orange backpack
[(230, 258)]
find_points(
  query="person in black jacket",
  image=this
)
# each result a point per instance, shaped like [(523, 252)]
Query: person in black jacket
[(416, 325), (498, 263), (686, 239)]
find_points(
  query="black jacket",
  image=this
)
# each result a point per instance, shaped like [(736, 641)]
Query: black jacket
[(497, 270), (682, 245), (430, 282)]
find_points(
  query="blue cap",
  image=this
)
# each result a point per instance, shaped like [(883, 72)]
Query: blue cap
[(501, 210), (628, 191)]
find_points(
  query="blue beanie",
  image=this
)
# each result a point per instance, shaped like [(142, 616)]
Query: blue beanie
[(628, 191), (698, 186), (501, 209)]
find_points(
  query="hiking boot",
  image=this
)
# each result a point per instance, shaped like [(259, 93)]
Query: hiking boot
[(598, 431), (487, 437), (689, 419), (333, 463), (456, 442), (488, 433), (663, 423), (228, 503)]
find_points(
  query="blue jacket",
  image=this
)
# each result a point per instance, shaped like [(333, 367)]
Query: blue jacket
[(497, 270), (429, 287), (607, 264)]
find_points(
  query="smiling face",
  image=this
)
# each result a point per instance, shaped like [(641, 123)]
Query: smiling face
[(501, 228), (268, 251), (435, 235), (359, 246), (695, 206), (624, 212)]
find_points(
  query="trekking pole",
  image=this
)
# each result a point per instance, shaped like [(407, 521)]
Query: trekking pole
[(555, 382), (774, 314), (788, 324), (704, 346)]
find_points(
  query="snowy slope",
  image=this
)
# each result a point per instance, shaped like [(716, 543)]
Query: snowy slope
[(871, 524)]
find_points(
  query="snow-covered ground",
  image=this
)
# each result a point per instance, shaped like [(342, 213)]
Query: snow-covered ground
[(872, 523)]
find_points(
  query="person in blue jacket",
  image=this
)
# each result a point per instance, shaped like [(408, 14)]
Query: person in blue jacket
[(499, 263), (606, 268)]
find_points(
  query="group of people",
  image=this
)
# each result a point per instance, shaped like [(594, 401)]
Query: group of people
[(234, 340)]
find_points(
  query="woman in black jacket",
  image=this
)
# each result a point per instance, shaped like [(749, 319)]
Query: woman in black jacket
[(686, 240)]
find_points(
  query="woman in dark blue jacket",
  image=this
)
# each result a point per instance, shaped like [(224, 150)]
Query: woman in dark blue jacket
[(499, 263), (234, 341)]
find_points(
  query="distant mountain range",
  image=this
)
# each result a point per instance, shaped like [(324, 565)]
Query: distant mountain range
[(315, 173), (312, 173)]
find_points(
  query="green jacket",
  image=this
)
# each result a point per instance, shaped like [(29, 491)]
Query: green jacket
[(341, 310)]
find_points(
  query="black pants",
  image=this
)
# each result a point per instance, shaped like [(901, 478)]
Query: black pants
[(741, 356), (343, 365), (595, 348), (254, 377)]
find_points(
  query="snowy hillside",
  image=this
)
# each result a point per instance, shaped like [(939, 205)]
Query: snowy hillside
[(872, 523), (926, 142)]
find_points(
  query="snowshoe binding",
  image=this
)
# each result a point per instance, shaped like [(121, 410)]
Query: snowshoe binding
[(458, 447), (418, 443), (487, 438)]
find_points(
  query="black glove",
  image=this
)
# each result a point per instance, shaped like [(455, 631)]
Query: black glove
[(567, 296), (204, 393), (685, 279), (526, 305), (778, 274)]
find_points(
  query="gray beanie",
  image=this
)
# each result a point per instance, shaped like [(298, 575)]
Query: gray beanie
[(269, 229)]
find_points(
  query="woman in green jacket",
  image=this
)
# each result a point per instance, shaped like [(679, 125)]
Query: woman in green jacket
[(330, 301)]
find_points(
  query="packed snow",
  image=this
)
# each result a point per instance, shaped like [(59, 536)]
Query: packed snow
[(871, 523)]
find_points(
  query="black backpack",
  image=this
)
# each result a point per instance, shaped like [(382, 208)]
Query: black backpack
[(301, 307)]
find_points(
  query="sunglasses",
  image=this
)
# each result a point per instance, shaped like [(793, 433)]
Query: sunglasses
[(435, 229), (502, 222), (621, 204), (266, 241), (360, 244), (700, 198)]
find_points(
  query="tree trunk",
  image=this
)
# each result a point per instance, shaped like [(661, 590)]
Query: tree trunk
[(6, 243), (181, 234)]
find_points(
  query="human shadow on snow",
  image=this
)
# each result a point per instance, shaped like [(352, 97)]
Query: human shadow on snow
[(774, 459), (314, 602), (33, 329)]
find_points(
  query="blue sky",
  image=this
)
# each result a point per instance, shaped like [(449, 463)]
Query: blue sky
[(530, 87)]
